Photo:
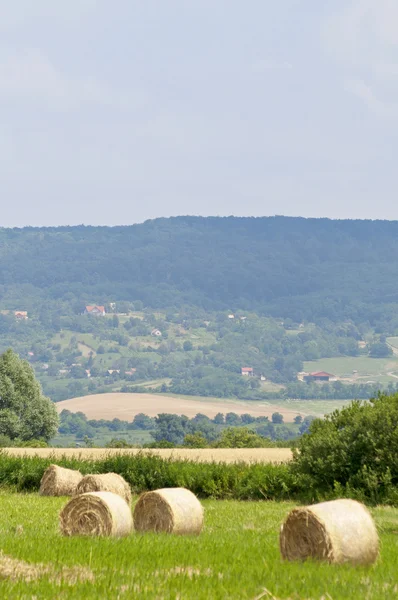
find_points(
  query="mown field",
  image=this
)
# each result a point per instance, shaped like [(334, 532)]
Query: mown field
[(209, 455), (236, 556)]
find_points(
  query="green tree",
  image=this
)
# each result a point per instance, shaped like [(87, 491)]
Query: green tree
[(241, 437), (219, 419), (25, 412), (187, 346), (298, 420), (232, 419), (195, 440), (277, 418), (380, 350)]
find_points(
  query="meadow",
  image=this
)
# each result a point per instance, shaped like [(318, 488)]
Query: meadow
[(236, 556), (358, 369)]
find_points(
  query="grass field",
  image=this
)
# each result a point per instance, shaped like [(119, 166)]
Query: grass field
[(227, 455), (368, 369), (236, 556)]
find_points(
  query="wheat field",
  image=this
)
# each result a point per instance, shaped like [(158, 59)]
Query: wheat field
[(125, 406), (225, 455)]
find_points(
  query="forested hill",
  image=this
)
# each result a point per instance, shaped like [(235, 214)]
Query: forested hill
[(288, 267)]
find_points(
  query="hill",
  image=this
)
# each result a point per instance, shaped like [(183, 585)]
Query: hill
[(283, 266)]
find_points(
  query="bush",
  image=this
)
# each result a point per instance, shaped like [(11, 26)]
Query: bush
[(149, 472), (353, 451), (241, 437)]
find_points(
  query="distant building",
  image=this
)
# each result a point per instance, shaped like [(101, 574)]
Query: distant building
[(231, 316), (318, 376), (98, 311), (21, 315), (247, 371), (156, 333), (112, 371)]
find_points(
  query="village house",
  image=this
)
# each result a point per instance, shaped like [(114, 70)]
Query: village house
[(318, 376), (156, 333), (130, 372), (21, 315), (231, 316), (247, 371), (98, 311)]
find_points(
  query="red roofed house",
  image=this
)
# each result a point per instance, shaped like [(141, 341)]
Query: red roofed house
[(247, 371), (98, 311), (318, 376), (21, 315)]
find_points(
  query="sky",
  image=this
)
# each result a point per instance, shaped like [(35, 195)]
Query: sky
[(117, 112)]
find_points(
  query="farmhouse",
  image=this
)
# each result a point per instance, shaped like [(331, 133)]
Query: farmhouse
[(21, 315), (318, 376), (98, 311), (247, 371)]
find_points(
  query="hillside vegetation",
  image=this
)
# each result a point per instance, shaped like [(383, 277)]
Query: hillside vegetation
[(288, 267), (301, 292)]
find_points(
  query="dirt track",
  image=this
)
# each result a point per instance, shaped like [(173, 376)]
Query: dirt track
[(247, 455), (126, 406)]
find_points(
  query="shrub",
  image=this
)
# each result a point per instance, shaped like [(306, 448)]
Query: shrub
[(353, 451)]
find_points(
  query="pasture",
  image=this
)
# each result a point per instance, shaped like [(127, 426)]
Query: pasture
[(236, 556)]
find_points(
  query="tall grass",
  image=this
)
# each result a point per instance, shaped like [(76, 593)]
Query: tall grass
[(147, 472)]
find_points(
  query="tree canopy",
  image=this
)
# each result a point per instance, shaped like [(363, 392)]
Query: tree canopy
[(25, 412), (290, 267)]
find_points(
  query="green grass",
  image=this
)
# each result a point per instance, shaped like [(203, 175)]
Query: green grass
[(393, 341), (316, 408), (102, 437), (236, 556)]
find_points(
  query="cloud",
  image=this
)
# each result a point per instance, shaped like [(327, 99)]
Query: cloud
[(363, 40), (30, 74), (377, 105)]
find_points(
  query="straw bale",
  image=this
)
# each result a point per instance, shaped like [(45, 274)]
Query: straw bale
[(340, 531), (57, 481), (170, 510), (108, 482), (96, 514)]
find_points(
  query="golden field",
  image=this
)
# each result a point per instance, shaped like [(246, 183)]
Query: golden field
[(125, 406), (227, 455)]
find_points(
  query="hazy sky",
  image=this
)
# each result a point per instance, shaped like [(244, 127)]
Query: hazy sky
[(115, 112)]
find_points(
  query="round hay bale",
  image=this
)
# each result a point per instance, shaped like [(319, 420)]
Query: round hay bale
[(57, 481), (170, 510), (109, 482), (340, 531), (96, 513)]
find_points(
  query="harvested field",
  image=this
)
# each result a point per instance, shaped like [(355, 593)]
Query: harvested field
[(126, 406), (227, 455)]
